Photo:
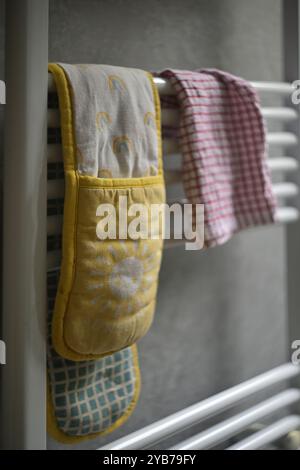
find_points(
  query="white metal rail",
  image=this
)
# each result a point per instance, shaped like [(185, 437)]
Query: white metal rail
[(165, 88), (194, 414), (269, 434), (23, 381), (232, 426)]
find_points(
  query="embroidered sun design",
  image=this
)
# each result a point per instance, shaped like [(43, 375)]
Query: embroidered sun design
[(126, 277), (126, 273)]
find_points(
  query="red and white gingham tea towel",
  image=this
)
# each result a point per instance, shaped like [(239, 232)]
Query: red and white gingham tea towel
[(223, 142)]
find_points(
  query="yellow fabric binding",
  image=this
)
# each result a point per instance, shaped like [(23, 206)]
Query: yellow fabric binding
[(71, 194)]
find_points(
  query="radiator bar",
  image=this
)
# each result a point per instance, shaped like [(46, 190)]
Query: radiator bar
[(269, 434), (165, 88), (187, 417), (171, 117), (228, 428), (55, 189)]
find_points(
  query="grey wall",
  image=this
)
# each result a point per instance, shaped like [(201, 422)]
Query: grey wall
[(220, 315)]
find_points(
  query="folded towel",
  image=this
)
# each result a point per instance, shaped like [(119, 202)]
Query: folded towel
[(223, 143)]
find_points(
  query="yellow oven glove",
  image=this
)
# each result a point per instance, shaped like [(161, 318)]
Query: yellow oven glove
[(110, 123)]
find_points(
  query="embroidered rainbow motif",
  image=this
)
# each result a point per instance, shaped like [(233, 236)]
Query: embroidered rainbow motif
[(149, 119), (102, 120), (116, 83), (104, 173), (121, 145)]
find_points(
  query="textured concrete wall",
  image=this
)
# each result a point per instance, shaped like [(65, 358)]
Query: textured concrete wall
[(220, 315)]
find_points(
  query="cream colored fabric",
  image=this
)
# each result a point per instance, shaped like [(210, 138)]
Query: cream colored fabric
[(114, 119)]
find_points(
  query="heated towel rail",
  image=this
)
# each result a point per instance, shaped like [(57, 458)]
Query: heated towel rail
[(282, 163)]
